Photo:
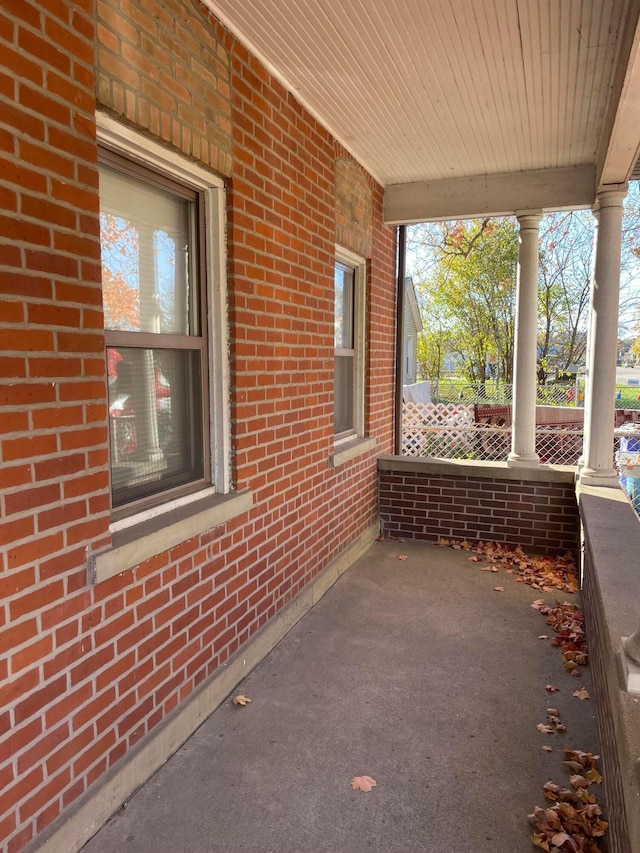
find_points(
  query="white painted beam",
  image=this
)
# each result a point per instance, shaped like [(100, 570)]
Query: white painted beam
[(620, 144), (490, 195)]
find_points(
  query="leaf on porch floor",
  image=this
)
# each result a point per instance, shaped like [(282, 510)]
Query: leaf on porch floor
[(543, 637), (553, 719), (547, 730), (402, 557), (547, 748), (583, 763), (363, 783), (551, 689), (498, 588), (489, 569), (548, 572), (574, 822), (567, 620), (581, 693), (241, 700), (473, 559)]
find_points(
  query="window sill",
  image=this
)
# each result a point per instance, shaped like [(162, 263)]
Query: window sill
[(350, 450), (137, 543)]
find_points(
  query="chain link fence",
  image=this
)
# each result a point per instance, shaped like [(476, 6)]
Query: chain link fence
[(557, 394), (461, 431)]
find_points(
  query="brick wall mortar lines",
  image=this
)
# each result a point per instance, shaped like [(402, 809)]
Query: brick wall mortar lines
[(425, 511), (305, 512)]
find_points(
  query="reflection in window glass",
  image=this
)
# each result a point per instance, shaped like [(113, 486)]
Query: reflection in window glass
[(344, 282), (155, 414), (148, 254), (344, 362)]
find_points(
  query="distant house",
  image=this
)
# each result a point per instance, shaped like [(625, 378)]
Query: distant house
[(412, 326)]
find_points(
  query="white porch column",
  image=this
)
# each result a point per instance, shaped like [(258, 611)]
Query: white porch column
[(587, 355), (523, 431), (599, 398)]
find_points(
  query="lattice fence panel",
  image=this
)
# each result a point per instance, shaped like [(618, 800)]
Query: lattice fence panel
[(449, 431), (437, 429)]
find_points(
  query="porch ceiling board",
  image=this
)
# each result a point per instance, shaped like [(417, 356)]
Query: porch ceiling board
[(422, 90)]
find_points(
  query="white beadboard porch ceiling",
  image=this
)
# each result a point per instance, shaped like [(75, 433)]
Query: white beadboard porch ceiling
[(426, 90)]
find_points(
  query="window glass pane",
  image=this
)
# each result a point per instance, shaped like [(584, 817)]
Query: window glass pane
[(343, 393), (344, 283), (155, 413), (148, 253)]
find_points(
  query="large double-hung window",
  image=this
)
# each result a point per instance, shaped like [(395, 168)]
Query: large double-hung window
[(160, 238)]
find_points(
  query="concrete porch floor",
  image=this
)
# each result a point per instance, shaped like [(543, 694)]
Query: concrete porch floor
[(415, 672)]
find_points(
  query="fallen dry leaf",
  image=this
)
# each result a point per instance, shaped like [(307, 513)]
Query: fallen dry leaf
[(473, 559), (551, 689), (549, 572), (402, 557), (241, 700), (573, 823), (547, 748), (578, 781), (498, 588), (363, 783), (543, 637), (489, 569), (547, 730), (581, 693)]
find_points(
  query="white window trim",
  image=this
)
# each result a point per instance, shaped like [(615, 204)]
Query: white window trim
[(127, 142), (359, 264)]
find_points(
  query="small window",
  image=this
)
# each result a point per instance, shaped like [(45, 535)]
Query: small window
[(349, 294)]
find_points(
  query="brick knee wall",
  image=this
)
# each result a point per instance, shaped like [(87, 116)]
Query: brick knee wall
[(610, 594), (617, 834), (435, 501)]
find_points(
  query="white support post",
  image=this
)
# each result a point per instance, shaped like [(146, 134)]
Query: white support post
[(523, 431), (598, 468)]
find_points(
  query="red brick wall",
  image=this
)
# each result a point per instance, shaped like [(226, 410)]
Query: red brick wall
[(164, 67), (86, 672), (430, 504)]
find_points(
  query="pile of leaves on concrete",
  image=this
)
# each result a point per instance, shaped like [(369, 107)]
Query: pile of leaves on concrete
[(547, 573), (574, 822), (567, 620)]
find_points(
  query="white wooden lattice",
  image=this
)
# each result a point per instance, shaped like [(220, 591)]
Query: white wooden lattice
[(436, 429)]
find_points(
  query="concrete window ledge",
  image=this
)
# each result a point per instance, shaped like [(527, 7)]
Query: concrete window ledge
[(137, 543), (350, 450), (611, 597)]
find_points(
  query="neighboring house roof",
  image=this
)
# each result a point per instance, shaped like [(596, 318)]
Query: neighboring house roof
[(411, 300)]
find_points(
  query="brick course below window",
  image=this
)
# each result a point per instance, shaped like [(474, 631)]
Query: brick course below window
[(427, 499)]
